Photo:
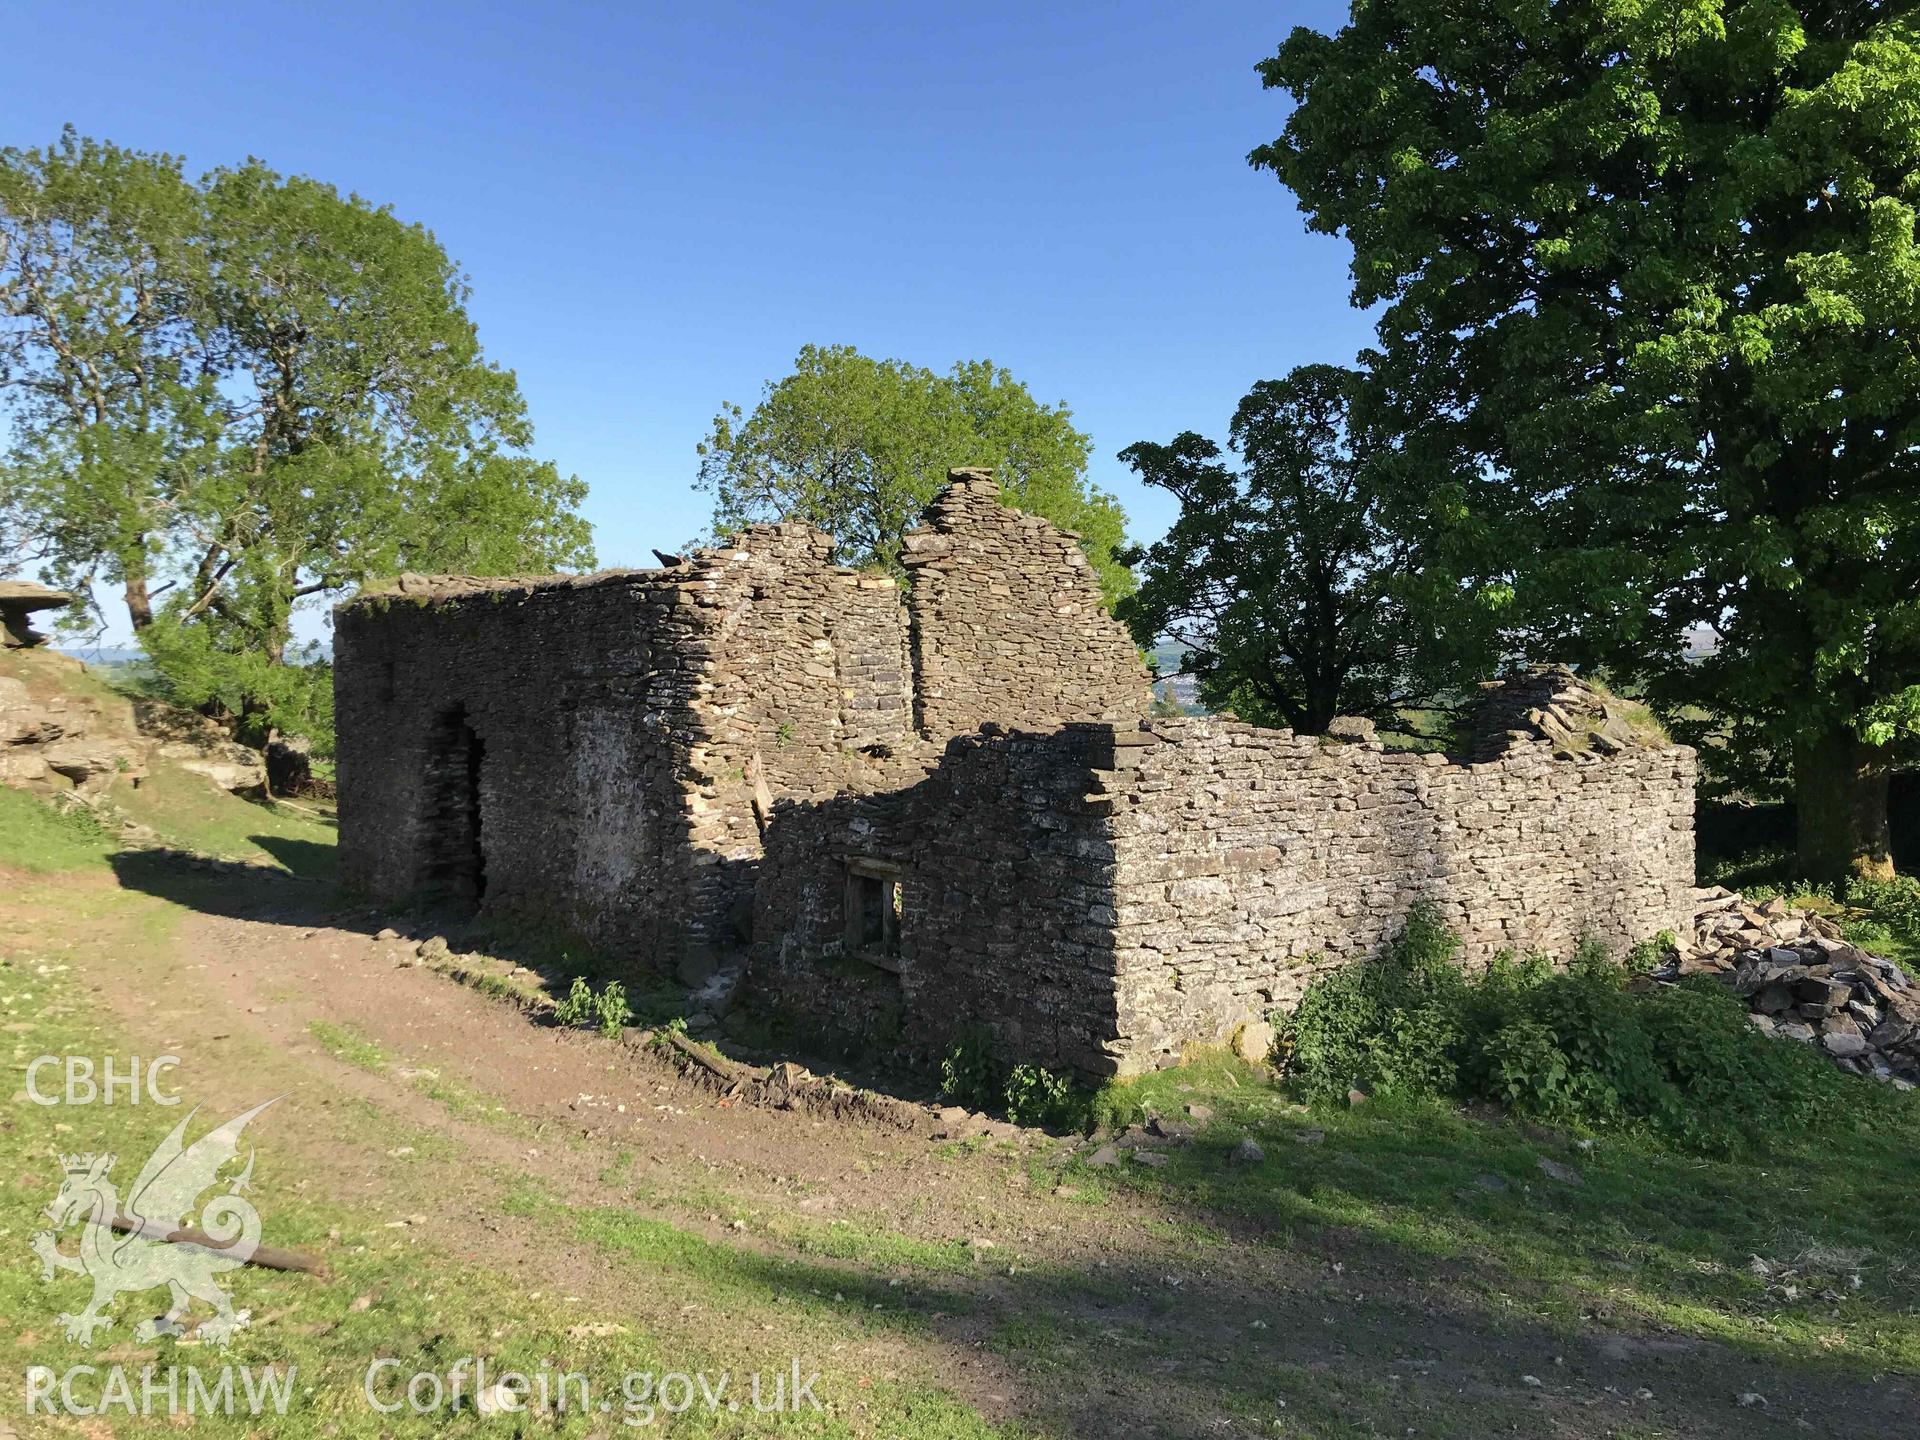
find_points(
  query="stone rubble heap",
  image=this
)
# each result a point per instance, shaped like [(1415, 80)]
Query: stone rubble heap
[(1802, 981), (1552, 703)]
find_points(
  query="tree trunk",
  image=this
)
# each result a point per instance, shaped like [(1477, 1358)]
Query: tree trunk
[(1320, 702), (1840, 792), (139, 602), (1318, 715)]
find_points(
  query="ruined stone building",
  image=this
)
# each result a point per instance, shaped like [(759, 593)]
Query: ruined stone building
[(919, 815), (592, 749)]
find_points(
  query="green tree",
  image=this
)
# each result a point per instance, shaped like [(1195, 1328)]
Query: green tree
[(242, 395), (107, 373), (858, 446), (1650, 295), (1285, 578)]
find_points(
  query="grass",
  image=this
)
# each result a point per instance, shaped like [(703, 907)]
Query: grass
[(392, 1296), (186, 811), (1888, 937), (860, 1240), (348, 1045), (1753, 869), (42, 840), (1648, 1232), (1645, 726), (190, 813), (465, 1103), (1421, 729), (47, 673), (397, 1297), (873, 1246)]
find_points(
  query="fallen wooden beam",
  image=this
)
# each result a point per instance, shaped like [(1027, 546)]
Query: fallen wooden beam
[(710, 1060), (265, 1256)]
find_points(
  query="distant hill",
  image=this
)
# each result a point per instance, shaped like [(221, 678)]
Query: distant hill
[(109, 655), (1183, 690)]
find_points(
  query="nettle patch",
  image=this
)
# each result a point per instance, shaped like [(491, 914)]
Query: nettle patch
[(1590, 1046)]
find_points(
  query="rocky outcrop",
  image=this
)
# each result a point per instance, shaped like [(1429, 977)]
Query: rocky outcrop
[(19, 600), (63, 733), (55, 742), (198, 745)]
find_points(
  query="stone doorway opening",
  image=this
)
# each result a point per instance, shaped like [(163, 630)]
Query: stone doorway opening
[(455, 853)]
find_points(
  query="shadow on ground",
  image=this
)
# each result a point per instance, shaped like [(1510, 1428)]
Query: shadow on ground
[(231, 889), (1333, 1342)]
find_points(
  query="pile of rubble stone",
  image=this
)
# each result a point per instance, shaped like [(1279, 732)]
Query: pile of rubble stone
[(1803, 981), (1552, 703)]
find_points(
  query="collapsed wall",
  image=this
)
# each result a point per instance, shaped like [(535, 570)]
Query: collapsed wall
[(1100, 896)]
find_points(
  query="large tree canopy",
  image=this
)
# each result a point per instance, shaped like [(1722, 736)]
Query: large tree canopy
[(1286, 579), (858, 446), (1651, 306), (227, 397)]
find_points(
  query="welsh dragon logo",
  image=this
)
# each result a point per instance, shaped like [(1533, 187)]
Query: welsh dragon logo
[(141, 1244)]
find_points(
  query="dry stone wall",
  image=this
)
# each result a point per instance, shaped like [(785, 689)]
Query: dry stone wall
[(1005, 880), (1248, 860), (802, 672), (1007, 621), (809, 658), (1100, 896), (596, 739), (755, 742), (523, 744)]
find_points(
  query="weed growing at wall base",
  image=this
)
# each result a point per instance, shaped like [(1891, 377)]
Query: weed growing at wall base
[(1584, 1046), (972, 1073), (607, 1012)]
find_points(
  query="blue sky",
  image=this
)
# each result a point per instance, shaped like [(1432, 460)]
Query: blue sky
[(659, 204)]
